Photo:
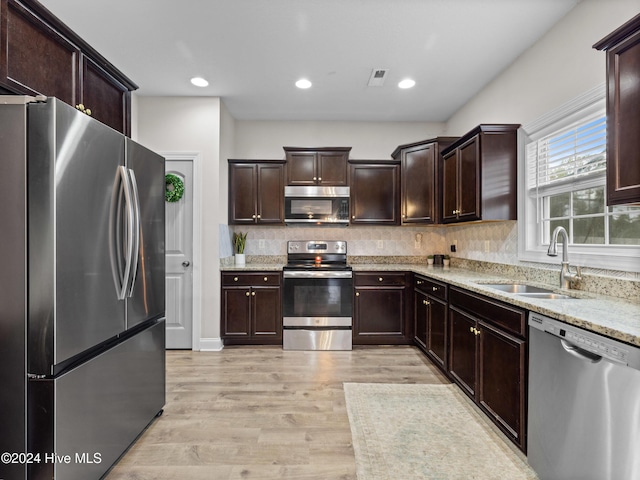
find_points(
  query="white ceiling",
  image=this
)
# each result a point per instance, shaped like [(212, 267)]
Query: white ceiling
[(252, 51)]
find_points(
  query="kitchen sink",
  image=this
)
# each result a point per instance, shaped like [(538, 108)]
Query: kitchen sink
[(552, 296), (530, 291), (519, 288)]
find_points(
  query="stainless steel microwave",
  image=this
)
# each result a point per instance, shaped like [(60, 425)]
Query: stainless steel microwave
[(311, 205)]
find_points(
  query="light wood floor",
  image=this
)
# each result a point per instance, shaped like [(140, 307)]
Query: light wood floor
[(262, 413)]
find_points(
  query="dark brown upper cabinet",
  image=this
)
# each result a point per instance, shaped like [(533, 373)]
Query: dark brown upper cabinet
[(40, 55), (479, 175), (623, 112), (326, 166), (375, 192), (421, 180), (256, 192)]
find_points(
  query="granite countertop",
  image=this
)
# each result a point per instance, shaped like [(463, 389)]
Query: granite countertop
[(614, 317), (253, 267)]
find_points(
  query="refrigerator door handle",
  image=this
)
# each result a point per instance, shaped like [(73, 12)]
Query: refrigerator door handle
[(135, 210), (121, 201)]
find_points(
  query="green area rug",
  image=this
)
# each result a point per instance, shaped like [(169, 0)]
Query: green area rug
[(408, 432)]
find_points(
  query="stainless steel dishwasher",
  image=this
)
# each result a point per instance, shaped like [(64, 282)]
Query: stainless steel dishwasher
[(584, 404)]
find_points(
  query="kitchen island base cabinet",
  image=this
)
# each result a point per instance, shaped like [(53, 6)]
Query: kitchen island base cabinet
[(380, 309), (487, 358), (251, 309)]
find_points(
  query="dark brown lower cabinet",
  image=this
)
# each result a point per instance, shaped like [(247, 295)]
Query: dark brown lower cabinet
[(463, 350), (487, 358), (380, 308), (251, 309), (501, 384), (430, 319)]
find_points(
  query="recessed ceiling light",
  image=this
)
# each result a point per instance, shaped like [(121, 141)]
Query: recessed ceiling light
[(199, 82), (407, 83), (303, 83)]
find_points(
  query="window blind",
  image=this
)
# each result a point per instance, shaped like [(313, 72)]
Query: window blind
[(568, 154)]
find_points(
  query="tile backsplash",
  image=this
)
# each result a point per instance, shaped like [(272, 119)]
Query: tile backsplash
[(491, 242), (374, 241)]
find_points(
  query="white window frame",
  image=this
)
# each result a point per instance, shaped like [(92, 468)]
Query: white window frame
[(530, 248)]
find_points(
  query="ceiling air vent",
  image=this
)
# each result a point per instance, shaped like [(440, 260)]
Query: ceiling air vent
[(378, 76)]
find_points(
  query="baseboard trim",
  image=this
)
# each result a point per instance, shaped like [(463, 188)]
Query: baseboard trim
[(211, 345)]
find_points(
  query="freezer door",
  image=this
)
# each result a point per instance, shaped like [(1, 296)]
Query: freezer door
[(72, 169), (147, 295), (95, 411)]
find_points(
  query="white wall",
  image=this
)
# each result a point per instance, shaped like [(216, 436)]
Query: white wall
[(558, 68), (187, 124), (369, 140)]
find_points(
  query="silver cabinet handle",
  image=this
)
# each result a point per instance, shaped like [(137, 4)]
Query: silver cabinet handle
[(186, 263)]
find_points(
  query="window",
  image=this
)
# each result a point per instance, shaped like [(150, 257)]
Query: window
[(563, 166)]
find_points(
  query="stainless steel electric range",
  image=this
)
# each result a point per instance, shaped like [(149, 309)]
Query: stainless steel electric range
[(317, 296)]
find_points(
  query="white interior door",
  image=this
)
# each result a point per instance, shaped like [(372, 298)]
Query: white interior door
[(179, 258)]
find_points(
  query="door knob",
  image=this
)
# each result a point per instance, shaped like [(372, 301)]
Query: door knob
[(186, 263)]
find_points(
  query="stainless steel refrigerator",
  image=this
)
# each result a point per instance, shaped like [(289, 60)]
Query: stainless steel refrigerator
[(82, 291)]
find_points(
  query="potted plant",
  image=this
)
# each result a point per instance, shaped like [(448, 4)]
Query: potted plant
[(239, 242), (430, 259), (446, 260)]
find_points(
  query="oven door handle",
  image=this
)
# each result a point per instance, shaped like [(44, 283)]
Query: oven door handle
[(305, 274)]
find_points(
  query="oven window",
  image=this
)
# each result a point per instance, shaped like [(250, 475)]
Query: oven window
[(305, 206), (315, 297)]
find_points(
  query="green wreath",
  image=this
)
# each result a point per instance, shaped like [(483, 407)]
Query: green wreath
[(174, 188)]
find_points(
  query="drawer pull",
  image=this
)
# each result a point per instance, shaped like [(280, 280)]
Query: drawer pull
[(235, 279), (435, 289), (266, 279), (380, 279)]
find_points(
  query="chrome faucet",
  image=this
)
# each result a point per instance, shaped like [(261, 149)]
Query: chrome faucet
[(566, 277)]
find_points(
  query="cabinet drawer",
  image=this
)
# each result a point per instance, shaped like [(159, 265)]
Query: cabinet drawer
[(250, 279), (510, 319), (431, 287), (375, 279)]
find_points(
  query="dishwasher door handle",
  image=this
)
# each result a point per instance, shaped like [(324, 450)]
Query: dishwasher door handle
[(580, 353)]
